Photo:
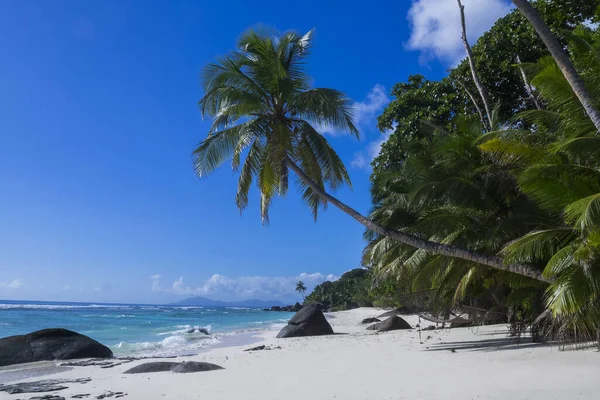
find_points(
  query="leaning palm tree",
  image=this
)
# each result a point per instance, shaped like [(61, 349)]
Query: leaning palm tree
[(301, 289), (263, 106)]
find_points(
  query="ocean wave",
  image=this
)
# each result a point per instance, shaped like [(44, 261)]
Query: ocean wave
[(238, 308), (4, 306), (109, 316), (187, 329), (172, 345)]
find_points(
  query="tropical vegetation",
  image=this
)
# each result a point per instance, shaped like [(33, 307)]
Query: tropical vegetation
[(485, 196), (301, 288), (350, 291), (522, 189)]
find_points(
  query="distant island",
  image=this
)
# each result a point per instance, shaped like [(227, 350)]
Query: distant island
[(204, 302)]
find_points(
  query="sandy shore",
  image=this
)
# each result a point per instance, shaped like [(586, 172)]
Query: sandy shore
[(460, 363)]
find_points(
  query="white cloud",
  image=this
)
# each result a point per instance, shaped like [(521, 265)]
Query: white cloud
[(220, 287), (374, 147), (156, 283), (359, 160), (14, 284), (365, 112), (363, 159), (435, 25)]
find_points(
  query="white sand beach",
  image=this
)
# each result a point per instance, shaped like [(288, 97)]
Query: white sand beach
[(460, 363)]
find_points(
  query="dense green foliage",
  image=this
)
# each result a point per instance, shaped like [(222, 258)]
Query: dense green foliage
[(419, 100), (350, 291), (529, 191), (416, 101)]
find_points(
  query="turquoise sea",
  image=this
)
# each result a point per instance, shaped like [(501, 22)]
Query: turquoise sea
[(138, 329)]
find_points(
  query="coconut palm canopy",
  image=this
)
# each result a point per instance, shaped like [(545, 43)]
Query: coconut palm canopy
[(266, 115), (531, 196)]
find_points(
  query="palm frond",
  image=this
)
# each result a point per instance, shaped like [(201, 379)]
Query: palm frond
[(326, 107), (584, 213)]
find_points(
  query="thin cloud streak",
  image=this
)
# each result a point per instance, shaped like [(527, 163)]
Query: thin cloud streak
[(220, 287)]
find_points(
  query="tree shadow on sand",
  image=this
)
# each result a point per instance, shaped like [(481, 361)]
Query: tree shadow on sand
[(507, 343)]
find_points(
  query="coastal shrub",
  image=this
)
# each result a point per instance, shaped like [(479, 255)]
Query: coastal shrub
[(350, 291)]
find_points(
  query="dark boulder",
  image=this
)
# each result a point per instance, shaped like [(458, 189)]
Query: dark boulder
[(198, 330), (275, 308), (393, 323), (179, 368), (193, 366), (157, 366), (395, 311), (370, 320), (297, 307), (49, 345), (47, 385), (373, 327), (309, 321)]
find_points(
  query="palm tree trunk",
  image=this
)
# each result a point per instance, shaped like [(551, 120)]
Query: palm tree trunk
[(414, 241), (561, 58), (478, 84)]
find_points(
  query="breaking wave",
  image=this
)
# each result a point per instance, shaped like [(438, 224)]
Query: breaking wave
[(183, 341)]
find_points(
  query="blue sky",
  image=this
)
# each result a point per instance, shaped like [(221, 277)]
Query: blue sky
[(98, 116)]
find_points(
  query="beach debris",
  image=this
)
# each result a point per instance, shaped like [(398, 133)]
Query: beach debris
[(370, 320), (113, 362), (429, 328), (80, 396), (48, 385), (49, 345), (263, 347), (179, 368), (109, 394), (393, 323), (309, 321), (47, 397), (460, 322), (97, 362), (452, 350)]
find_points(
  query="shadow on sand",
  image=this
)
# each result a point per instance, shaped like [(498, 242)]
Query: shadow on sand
[(507, 343)]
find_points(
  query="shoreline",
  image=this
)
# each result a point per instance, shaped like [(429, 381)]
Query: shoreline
[(456, 364), (139, 330)]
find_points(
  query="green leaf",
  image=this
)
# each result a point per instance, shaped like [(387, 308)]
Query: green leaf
[(584, 214)]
